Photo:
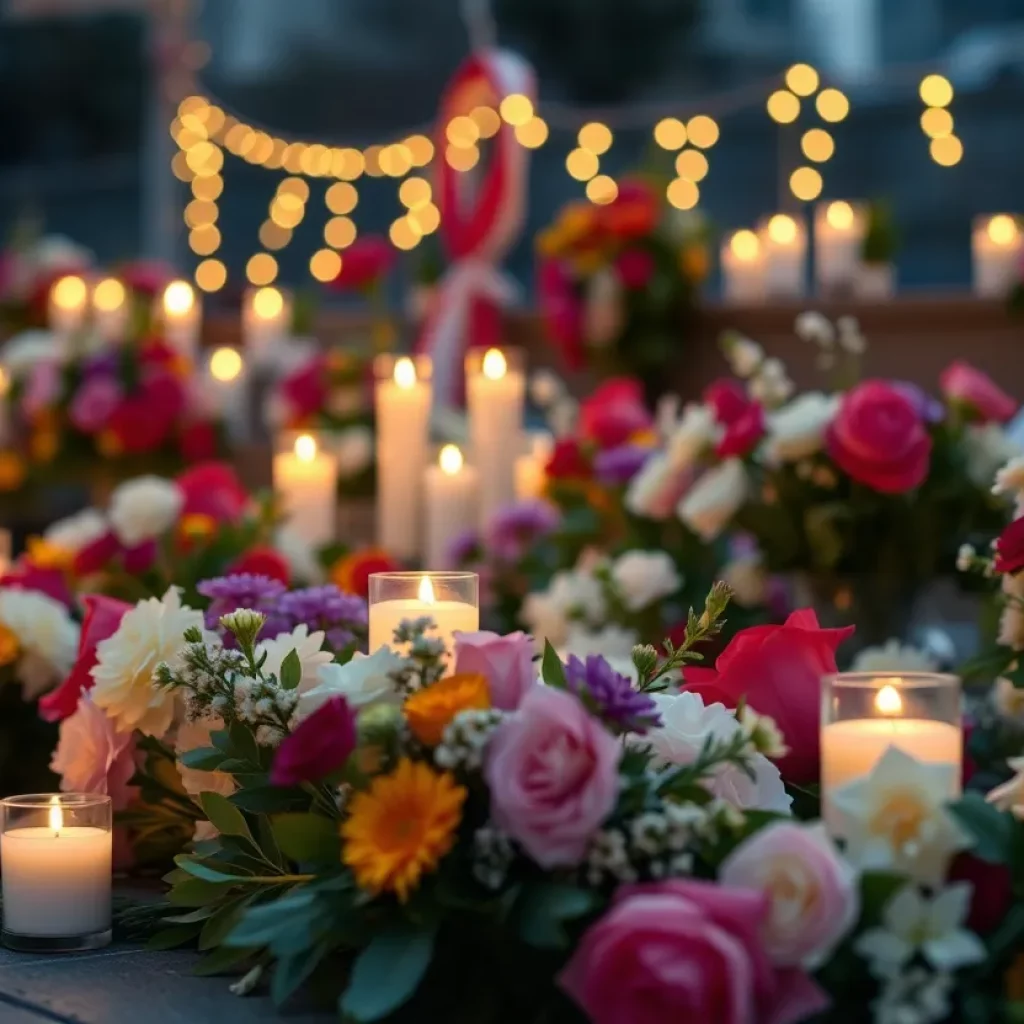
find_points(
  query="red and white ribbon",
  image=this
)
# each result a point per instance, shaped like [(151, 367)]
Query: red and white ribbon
[(482, 212)]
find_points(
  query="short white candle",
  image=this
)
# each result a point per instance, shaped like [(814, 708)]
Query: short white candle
[(785, 249), (181, 312), (69, 300), (996, 251), (402, 397), (227, 390), (56, 878), (306, 480), (448, 616), (496, 392), (743, 268), (838, 242), (110, 309), (450, 493), (266, 320)]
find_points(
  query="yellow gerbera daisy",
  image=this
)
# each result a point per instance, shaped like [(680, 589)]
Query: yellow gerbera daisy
[(429, 711), (399, 828)]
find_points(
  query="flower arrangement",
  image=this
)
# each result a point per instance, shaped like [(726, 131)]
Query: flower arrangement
[(618, 283), (29, 267)]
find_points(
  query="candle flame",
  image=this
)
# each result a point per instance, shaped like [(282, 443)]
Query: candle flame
[(888, 701), (225, 364), (305, 448), (839, 215), (494, 365), (267, 303), (1002, 229), (426, 592), (782, 229), (179, 298), (450, 460), (108, 295), (405, 372), (70, 292), (56, 815), (745, 245)]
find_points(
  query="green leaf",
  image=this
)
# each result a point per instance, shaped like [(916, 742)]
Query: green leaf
[(291, 971), (552, 669), (261, 925), (171, 938), (269, 799), (307, 838), (244, 743), (222, 959), (225, 816), (291, 670), (547, 907), (1010, 934), (203, 871), (268, 843), (195, 892), (992, 829), (218, 926), (193, 916), (203, 759), (387, 972)]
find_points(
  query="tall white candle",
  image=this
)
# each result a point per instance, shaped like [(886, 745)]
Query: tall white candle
[(69, 300), (496, 390), (227, 390), (784, 241), (997, 246), (838, 242), (266, 321), (181, 312), (743, 268), (448, 616), (402, 399), (306, 480), (450, 492), (110, 309)]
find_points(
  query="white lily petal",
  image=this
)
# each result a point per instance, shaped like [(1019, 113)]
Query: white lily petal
[(954, 950)]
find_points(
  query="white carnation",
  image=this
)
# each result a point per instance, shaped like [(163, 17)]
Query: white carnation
[(716, 497), (895, 657), (47, 638), (654, 491), (77, 531), (144, 508), (816, 328), (365, 680), (1010, 479), (744, 356), (308, 647), (797, 430), (614, 643), (643, 577)]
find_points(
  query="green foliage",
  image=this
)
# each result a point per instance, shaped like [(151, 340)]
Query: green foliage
[(996, 834), (552, 669), (307, 838), (546, 908), (291, 670), (881, 237)]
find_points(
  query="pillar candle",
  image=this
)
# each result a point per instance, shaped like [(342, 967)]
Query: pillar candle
[(531, 467), (784, 241), (448, 615), (838, 242), (496, 389), (110, 309), (68, 304), (402, 398), (266, 321), (450, 492), (181, 313), (743, 267), (227, 390), (996, 249), (306, 480)]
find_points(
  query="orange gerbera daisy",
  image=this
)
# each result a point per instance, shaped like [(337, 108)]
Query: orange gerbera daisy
[(351, 573), (8, 645), (399, 828), (429, 711), (44, 554)]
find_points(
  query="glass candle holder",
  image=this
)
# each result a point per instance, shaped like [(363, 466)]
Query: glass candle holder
[(56, 851), (865, 713), (306, 483), (450, 599)]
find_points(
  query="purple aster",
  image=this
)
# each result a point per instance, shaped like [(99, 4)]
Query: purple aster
[(464, 548), (610, 695), (343, 617), (617, 466), (929, 409), (243, 590), (515, 529)]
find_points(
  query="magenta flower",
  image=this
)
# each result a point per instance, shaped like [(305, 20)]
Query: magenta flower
[(320, 745), (94, 404)]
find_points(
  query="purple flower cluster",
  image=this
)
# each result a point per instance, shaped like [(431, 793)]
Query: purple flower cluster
[(615, 467), (610, 695), (243, 590), (514, 530), (463, 548)]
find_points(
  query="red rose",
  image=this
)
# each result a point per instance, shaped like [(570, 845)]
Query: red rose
[(23, 575), (145, 419), (635, 268), (992, 893), (561, 309), (878, 438), (727, 398), (779, 670), (741, 436), (306, 389), (962, 383), (96, 556), (1009, 548), (614, 413), (261, 561), (568, 462), (633, 213), (213, 489), (320, 744), (140, 558), (102, 617), (198, 441), (364, 263)]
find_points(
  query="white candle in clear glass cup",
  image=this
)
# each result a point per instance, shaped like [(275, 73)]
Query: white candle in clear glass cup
[(450, 599), (997, 246), (306, 482), (838, 244), (496, 392), (743, 268), (402, 397), (110, 309), (450, 494), (181, 314), (266, 321), (56, 852), (863, 714), (784, 241), (68, 304)]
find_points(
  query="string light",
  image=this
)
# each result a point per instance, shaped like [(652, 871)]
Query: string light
[(702, 131), (341, 197), (460, 159), (396, 160), (294, 187), (516, 109), (404, 234), (274, 236), (421, 149), (208, 188), (692, 164), (462, 131), (487, 121), (582, 164), (832, 105), (947, 151), (937, 122), (371, 161), (348, 164), (533, 134), (199, 212), (783, 107), (339, 232), (817, 145), (683, 194), (805, 183), (670, 133), (427, 218), (802, 79), (414, 193), (180, 168), (211, 275), (602, 190), (595, 137), (936, 91), (205, 240), (261, 269), (325, 265)]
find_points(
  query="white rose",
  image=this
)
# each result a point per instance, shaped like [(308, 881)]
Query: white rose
[(76, 532), (654, 491), (545, 619), (144, 508), (744, 356), (365, 680), (1010, 479), (797, 430), (308, 647), (602, 312), (578, 593), (714, 499), (771, 385), (151, 632), (686, 724), (644, 577), (697, 432), (353, 449), (47, 638), (747, 580)]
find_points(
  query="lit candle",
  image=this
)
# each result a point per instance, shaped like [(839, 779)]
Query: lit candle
[(57, 862), (996, 251), (531, 467), (110, 309), (450, 502), (743, 268), (266, 320), (69, 300), (838, 244), (227, 392), (785, 251), (864, 715), (402, 398), (181, 312), (496, 390), (449, 599), (306, 480)]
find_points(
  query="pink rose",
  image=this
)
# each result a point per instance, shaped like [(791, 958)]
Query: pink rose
[(553, 774), (813, 896), (319, 745), (778, 669), (506, 662), (561, 309), (727, 399), (213, 489), (685, 951), (94, 403), (962, 383), (879, 439), (635, 268), (742, 435), (614, 413)]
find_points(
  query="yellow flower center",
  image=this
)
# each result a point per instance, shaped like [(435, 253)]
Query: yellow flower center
[(900, 818)]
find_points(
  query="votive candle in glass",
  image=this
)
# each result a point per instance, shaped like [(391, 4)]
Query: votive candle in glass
[(865, 713), (450, 599), (56, 851)]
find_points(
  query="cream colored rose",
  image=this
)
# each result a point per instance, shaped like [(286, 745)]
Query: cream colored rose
[(714, 499)]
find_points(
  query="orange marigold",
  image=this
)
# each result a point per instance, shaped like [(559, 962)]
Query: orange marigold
[(401, 827), (12, 471), (429, 711), (351, 572), (44, 554), (8, 645)]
